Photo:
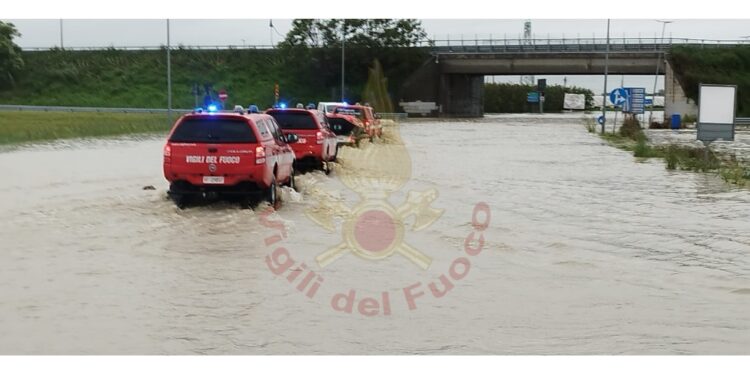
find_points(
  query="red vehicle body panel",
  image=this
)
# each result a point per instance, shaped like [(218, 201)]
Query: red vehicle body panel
[(316, 143), (363, 117), (191, 162)]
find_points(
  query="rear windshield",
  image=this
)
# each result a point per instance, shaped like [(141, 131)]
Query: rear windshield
[(294, 120), (213, 130)]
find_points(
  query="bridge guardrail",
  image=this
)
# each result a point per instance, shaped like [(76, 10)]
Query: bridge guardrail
[(464, 45)]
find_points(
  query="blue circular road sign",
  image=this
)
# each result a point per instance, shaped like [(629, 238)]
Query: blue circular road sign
[(618, 96)]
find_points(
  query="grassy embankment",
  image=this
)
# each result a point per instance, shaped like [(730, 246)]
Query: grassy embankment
[(725, 65), (137, 79), (19, 127), (631, 138), (130, 79)]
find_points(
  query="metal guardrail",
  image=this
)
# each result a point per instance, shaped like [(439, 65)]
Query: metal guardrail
[(634, 45), (38, 108), (393, 116), (742, 121), (464, 45), (150, 48)]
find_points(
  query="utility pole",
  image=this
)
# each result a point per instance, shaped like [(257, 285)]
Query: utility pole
[(606, 73), (169, 77), (656, 76), (61, 34), (527, 42), (270, 31), (614, 124), (343, 44)]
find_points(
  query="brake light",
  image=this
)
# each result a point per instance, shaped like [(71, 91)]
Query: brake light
[(319, 138), (167, 153), (260, 155)]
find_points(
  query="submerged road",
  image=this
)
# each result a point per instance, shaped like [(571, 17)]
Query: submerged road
[(587, 251)]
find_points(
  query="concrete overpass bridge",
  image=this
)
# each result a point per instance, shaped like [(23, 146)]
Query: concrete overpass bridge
[(453, 77)]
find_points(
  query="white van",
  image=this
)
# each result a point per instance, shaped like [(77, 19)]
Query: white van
[(327, 107)]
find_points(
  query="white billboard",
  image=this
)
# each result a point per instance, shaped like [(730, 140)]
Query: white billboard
[(716, 104), (716, 112), (574, 101)]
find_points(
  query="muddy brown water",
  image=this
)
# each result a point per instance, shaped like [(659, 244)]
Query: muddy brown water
[(587, 252)]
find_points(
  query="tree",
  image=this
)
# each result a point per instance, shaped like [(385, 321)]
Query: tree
[(10, 55), (372, 33), (313, 47)]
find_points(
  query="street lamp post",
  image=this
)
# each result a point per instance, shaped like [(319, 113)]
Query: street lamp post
[(606, 73), (343, 44), (656, 76), (270, 31), (169, 77), (61, 34)]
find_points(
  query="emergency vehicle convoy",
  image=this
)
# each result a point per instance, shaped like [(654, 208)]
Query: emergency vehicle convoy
[(317, 143), (238, 155), (247, 156)]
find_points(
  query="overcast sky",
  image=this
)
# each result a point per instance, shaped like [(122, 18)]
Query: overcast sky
[(119, 32), (85, 33)]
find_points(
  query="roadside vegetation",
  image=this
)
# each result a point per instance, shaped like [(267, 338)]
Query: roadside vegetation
[(306, 66), (20, 127), (631, 137), (511, 98), (725, 65)]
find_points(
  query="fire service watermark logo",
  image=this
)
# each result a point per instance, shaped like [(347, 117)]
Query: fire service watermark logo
[(374, 229)]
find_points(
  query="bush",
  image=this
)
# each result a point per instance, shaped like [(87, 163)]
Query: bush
[(631, 128), (689, 119), (511, 98)]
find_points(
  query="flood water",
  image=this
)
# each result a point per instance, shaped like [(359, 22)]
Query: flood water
[(588, 251)]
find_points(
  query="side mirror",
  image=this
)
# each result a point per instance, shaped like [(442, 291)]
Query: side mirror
[(292, 138)]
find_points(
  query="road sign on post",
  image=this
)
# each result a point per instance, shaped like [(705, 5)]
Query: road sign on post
[(276, 94), (618, 96), (541, 85), (223, 95), (532, 97), (635, 101)]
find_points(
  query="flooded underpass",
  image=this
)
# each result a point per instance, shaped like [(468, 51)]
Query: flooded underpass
[(583, 250)]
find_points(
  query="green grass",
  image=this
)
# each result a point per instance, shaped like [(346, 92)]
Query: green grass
[(735, 173), (137, 79), (685, 158), (19, 127)]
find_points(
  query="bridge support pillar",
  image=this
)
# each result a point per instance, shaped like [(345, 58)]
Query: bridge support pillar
[(675, 100), (461, 95)]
